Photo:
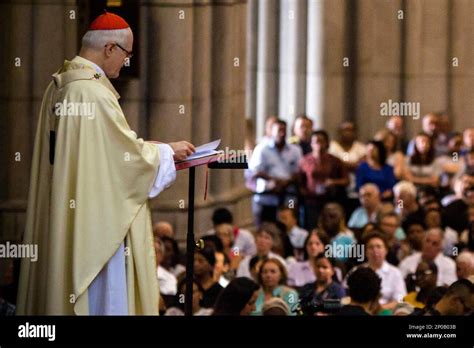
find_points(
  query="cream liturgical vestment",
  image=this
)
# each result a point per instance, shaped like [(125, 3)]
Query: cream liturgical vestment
[(88, 201)]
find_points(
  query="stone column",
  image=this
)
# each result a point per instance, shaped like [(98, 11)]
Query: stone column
[(378, 62), (426, 57), (267, 69), (252, 49), (326, 75), (461, 63), (33, 52), (292, 91)]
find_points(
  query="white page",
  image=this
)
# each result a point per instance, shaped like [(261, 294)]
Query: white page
[(205, 150), (209, 146)]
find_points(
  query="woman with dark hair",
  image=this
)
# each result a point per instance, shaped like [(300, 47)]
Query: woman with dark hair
[(301, 273), (422, 168), (238, 298), (395, 158), (324, 288), (375, 170)]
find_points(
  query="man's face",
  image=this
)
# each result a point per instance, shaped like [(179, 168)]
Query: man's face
[(287, 218), (347, 131), (468, 137), (376, 250), (331, 218), (389, 225), (201, 266), (369, 198), (415, 235), (116, 56), (303, 129), (464, 269), (278, 133), (425, 278), (431, 246)]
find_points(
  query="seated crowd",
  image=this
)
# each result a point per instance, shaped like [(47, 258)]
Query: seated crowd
[(341, 228)]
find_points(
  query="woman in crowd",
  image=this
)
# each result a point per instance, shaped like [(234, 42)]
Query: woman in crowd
[(425, 279), (395, 158), (226, 235), (272, 279), (375, 170), (325, 287), (422, 168), (238, 298), (301, 273)]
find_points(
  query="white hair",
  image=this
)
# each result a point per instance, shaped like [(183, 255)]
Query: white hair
[(97, 39), (466, 257), (370, 186), (405, 186)]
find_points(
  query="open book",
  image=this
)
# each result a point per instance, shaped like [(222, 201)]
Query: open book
[(204, 154)]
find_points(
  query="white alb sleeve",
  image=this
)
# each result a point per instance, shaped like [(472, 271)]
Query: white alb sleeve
[(166, 173)]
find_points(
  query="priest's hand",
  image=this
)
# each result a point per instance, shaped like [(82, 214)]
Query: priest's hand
[(182, 149)]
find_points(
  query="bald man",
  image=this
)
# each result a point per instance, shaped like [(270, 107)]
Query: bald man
[(369, 197), (90, 182), (163, 229)]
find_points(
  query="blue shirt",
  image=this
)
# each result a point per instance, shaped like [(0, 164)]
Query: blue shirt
[(383, 178), (278, 164), (289, 295)]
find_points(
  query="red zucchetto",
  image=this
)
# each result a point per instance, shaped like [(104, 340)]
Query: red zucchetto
[(108, 21)]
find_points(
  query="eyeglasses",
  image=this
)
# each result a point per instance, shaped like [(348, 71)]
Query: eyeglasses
[(129, 53)]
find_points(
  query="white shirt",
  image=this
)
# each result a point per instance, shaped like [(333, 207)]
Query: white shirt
[(446, 267), (393, 286), (167, 172), (356, 152), (244, 271), (300, 273), (167, 281), (393, 283)]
